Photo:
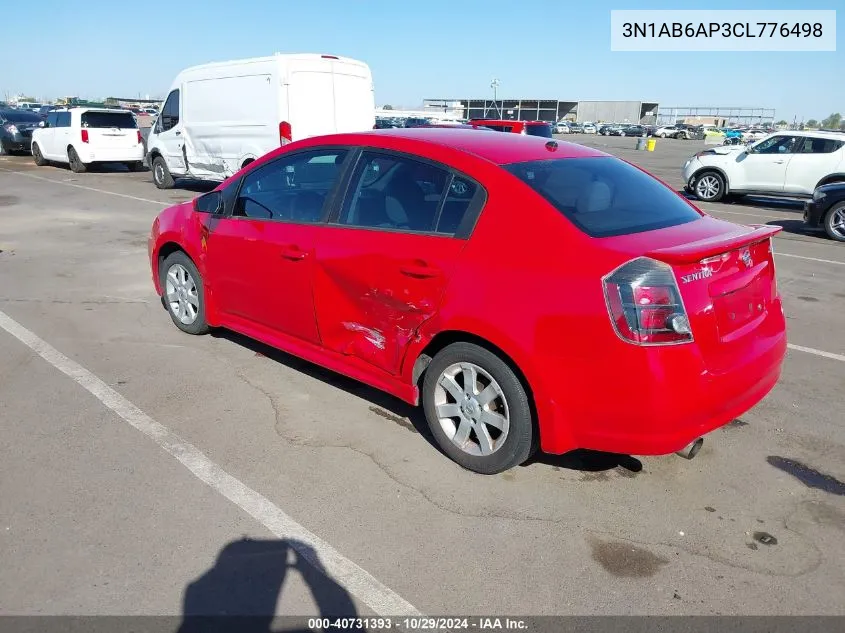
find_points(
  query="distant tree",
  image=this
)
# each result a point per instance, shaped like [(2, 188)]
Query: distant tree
[(387, 107), (832, 122), (782, 122), (812, 123)]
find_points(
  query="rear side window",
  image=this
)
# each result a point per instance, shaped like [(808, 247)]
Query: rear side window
[(539, 130), (809, 145), (604, 196), (108, 120)]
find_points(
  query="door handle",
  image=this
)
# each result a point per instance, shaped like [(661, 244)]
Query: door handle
[(294, 253), (177, 133), (419, 270), (779, 162)]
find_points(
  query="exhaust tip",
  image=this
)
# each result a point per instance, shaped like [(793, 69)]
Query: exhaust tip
[(691, 450)]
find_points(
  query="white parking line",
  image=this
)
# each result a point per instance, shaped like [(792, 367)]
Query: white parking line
[(70, 184), (817, 352), (812, 259), (380, 598)]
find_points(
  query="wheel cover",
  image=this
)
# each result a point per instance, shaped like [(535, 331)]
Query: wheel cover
[(181, 294), (472, 409), (158, 172), (837, 222), (707, 187)]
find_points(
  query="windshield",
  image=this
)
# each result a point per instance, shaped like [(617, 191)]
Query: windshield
[(604, 196), (20, 116), (108, 120), (539, 130)]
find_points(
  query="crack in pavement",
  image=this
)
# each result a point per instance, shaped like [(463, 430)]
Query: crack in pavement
[(279, 427)]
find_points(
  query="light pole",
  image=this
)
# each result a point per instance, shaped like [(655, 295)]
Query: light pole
[(495, 86)]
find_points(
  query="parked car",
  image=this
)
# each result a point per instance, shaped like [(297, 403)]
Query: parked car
[(666, 130), (784, 164), (633, 130), (29, 106), (690, 132), (530, 128), (44, 110), (606, 128), (415, 122), (561, 127), (219, 117), (576, 128), (149, 111), (16, 128), (81, 137), (827, 210), (369, 243), (589, 128), (754, 134)]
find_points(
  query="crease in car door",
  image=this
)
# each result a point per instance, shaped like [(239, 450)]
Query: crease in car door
[(379, 278)]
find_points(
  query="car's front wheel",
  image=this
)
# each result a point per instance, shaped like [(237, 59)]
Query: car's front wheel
[(478, 409), (709, 186), (161, 174), (834, 222), (183, 294), (37, 156)]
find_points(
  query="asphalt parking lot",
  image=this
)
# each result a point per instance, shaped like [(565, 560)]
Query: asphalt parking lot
[(145, 471)]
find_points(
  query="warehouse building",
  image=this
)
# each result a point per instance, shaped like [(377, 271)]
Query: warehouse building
[(551, 110)]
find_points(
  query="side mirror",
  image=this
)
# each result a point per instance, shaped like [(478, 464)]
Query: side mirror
[(43, 124), (211, 202)]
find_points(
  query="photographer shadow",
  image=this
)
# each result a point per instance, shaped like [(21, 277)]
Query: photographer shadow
[(241, 591)]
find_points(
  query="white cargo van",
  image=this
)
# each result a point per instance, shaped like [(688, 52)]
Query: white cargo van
[(219, 117)]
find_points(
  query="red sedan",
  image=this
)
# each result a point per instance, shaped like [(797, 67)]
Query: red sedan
[(527, 292)]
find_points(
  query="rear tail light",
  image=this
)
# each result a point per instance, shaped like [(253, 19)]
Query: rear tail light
[(645, 304), (140, 138), (84, 136), (285, 133)]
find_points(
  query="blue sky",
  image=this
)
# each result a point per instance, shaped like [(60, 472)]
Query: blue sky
[(432, 48)]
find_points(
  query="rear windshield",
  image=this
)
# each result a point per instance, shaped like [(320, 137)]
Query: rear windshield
[(604, 196), (108, 119), (20, 116), (539, 130)]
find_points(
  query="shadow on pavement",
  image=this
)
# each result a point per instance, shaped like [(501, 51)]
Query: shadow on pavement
[(241, 591), (795, 226), (585, 460)]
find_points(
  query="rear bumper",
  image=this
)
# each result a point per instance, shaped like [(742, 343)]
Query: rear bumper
[(120, 155), (666, 399)]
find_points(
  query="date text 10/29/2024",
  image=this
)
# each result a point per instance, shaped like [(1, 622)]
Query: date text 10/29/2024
[(421, 623)]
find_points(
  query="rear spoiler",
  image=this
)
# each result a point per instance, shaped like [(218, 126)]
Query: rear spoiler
[(693, 252)]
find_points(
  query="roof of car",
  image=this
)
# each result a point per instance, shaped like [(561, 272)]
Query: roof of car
[(497, 147), (824, 134)]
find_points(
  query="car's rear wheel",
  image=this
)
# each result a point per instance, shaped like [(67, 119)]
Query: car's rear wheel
[(76, 164), (834, 222), (161, 174), (183, 294), (709, 186), (37, 156), (477, 409)]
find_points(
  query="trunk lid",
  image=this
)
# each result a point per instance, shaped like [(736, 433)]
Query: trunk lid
[(110, 130), (726, 278)]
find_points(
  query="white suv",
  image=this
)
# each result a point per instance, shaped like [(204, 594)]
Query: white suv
[(783, 164), (81, 136)]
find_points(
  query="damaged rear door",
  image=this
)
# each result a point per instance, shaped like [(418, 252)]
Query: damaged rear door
[(384, 260)]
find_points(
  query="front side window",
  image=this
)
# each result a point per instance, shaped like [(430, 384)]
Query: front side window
[(291, 189), (63, 119), (170, 112), (604, 196), (108, 120), (52, 119), (775, 145), (395, 192)]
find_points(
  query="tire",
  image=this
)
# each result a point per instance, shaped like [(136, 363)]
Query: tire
[(709, 186), (662, 135), (834, 222), (135, 166), (621, 133), (509, 396), (161, 174), (37, 156), (76, 164), (185, 277)]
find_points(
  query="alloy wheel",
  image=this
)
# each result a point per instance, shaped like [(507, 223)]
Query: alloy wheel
[(181, 294), (707, 187), (472, 409), (837, 223)]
